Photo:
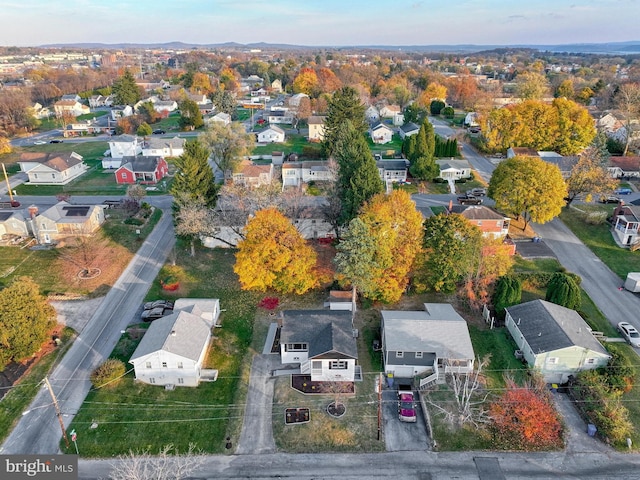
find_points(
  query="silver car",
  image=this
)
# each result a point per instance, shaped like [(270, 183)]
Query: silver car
[(629, 333)]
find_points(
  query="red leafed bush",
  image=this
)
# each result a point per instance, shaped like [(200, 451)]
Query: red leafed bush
[(269, 303)]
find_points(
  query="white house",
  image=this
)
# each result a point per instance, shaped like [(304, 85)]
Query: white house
[(65, 220), (322, 343), (219, 117), (389, 111), (554, 340), (279, 115), (271, 134), (296, 173), (53, 168), (121, 112), (380, 133), (392, 170), (429, 343), (72, 107), (125, 146), (372, 114), (454, 169), (163, 147), (408, 129), (173, 351)]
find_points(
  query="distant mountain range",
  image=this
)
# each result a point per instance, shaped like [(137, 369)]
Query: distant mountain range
[(608, 48)]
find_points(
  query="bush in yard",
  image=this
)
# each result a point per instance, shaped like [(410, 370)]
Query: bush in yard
[(564, 290), (269, 303), (108, 374), (436, 107), (602, 405), (448, 112), (619, 373), (524, 418), (133, 221), (508, 292)]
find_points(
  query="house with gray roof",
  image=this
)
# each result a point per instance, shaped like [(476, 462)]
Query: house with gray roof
[(453, 169), (52, 168), (408, 130), (322, 343), (554, 340), (393, 170), (428, 343), (174, 348), (163, 147)]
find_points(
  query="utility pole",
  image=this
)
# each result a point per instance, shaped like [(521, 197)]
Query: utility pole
[(379, 404), (58, 413), (6, 179)]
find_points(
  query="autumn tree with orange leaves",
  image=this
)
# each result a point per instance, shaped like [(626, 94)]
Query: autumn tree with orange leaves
[(273, 254), (524, 418), (306, 82)]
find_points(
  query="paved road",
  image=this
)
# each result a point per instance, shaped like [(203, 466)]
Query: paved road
[(418, 465), (600, 283), (38, 431)]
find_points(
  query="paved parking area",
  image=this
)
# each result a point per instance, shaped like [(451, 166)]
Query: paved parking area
[(401, 436)]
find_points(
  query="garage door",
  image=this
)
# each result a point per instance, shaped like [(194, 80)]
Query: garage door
[(403, 372)]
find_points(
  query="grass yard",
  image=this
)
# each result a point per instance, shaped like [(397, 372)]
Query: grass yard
[(598, 238), (22, 393), (292, 144), (148, 417)]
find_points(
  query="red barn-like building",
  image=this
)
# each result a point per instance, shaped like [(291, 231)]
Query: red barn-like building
[(141, 169)]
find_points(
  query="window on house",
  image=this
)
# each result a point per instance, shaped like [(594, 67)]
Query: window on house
[(53, 175), (180, 365), (152, 380), (479, 223), (591, 361), (552, 360), (181, 381), (44, 226), (148, 364), (338, 365), (296, 347), (399, 354), (316, 365), (35, 175), (418, 354), (164, 364), (123, 175)]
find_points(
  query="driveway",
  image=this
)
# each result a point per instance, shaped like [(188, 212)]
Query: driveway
[(401, 436), (256, 436)]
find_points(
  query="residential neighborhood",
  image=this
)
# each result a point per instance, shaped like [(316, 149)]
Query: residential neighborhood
[(230, 250)]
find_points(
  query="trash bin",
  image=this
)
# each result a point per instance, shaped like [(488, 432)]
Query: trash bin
[(591, 429)]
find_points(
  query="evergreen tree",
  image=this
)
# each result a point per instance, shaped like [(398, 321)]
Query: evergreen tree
[(344, 105), (564, 290), (358, 177), (508, 292), (436, 107), (125, 90), (190, 115), (423, 165), (194, 175)]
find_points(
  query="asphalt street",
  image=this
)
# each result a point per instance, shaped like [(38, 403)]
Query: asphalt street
[(38, 431)]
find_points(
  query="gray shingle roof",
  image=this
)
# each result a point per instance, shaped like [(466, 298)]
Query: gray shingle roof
[(140, 163), (324, 331), (438, 329), (548, 327), (190, 338)]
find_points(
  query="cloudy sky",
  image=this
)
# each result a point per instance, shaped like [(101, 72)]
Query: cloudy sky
[(319, 22)]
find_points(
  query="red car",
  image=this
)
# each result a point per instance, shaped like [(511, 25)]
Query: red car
[(406, 406)]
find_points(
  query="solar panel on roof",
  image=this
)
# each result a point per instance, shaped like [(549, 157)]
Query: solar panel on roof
[(5, 215), (75, 211)]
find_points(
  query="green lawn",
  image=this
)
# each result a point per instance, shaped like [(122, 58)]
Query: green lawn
[(598, 238), (124, 234), (292, 144), (147, 417)]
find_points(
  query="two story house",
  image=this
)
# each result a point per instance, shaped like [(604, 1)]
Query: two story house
[(53, 168), (322, 343), (626, 221)]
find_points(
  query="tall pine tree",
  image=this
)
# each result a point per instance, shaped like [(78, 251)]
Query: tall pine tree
[(125, 90), (422, 148), (358, 177), (344, 105), (194, 175)]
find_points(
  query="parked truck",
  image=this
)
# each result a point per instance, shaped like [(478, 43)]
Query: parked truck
[(632, 283)]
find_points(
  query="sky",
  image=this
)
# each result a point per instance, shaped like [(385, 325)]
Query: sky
[(319, 22)]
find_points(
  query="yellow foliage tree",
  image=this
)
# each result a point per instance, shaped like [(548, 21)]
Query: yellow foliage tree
[(396, 230), (306, 82), (434, 91), (5, 145), (273, 254)]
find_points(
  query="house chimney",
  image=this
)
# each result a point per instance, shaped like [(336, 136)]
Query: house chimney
[(33, 211), (173, 333)]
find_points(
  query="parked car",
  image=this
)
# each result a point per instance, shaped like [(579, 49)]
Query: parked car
[(406, 404), (469, 200), (155, 313), (629, 333), (622, 191), (56, 140), (159, 132), (39, 142), (9, 204), (159, 303), (477, 192), (609, 199)]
